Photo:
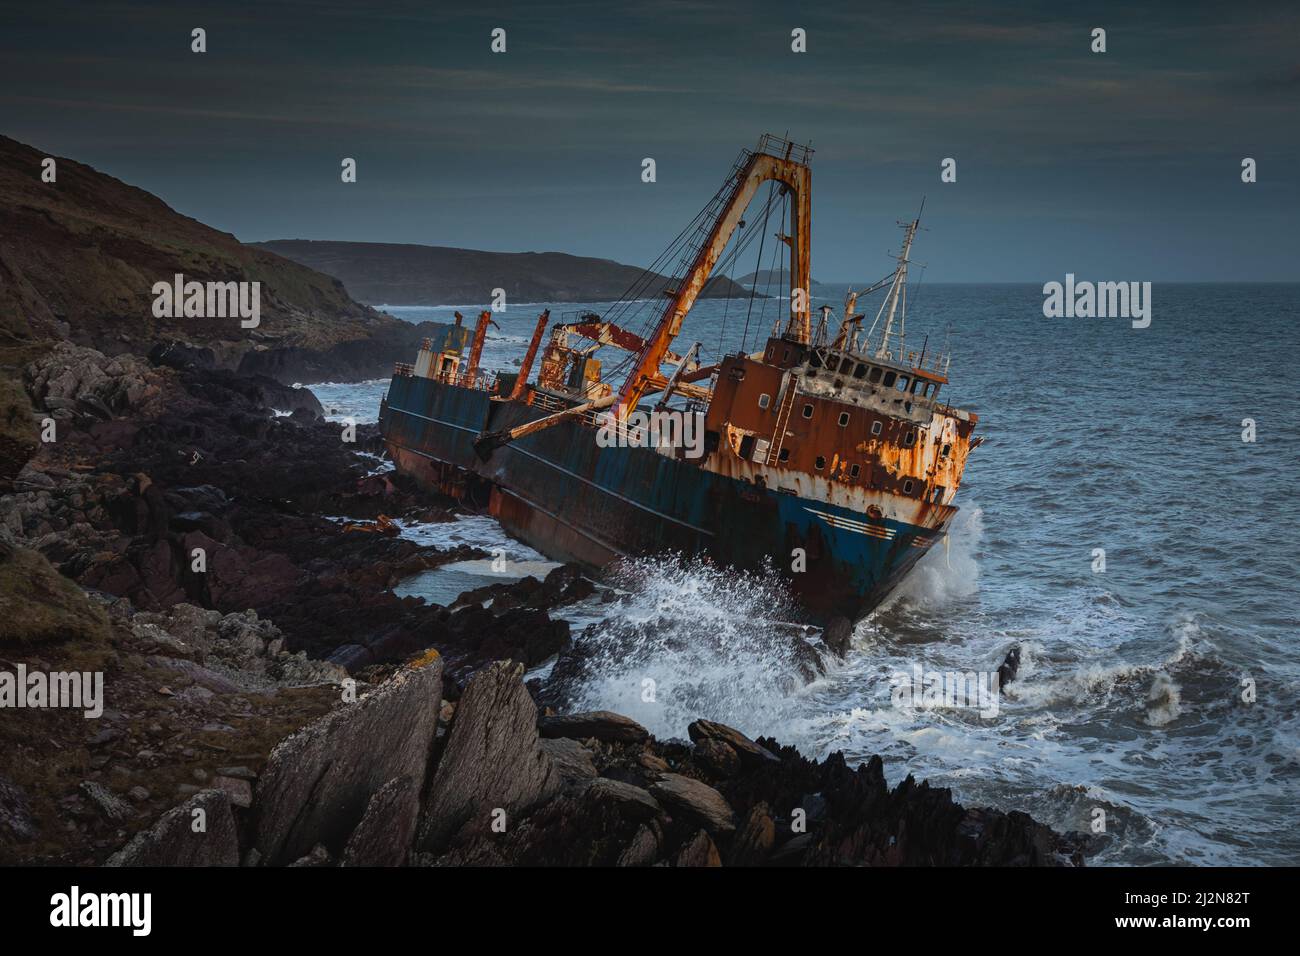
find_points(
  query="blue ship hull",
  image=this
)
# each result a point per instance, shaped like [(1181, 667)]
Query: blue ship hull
[(564, 495)]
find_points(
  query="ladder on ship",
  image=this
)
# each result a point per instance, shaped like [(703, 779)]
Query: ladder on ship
[(782, 419)]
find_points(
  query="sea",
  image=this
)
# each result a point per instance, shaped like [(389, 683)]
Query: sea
[(1128, 523)]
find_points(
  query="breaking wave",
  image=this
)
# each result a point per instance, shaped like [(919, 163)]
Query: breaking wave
[(686, 640)]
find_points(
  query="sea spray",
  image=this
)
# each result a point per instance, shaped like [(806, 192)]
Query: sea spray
[(687, 640)]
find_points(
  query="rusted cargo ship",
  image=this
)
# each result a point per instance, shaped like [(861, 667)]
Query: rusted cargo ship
[(827, 457)]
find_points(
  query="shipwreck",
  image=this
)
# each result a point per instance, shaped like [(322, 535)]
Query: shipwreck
[(826, 455)]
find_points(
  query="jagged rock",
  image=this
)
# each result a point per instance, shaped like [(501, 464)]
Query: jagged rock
[(838, 635), (718, 757), (172, 841), (113, 807), (698, 851), (641, 850), (696, 800), (240, 791), (384, 835), (601, 724), (493, 758), (318, 782), (1008, 669), (319, 856), (749, 752), (571, 759), (632, 802), (753, 841), (15, 813)]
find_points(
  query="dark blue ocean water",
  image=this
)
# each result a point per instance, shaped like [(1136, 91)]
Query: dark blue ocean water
[(1130, 694)]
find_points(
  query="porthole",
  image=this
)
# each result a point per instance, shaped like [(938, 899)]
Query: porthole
[(764, 400), (844, 419), (855, 470), (875, 428), (807, 411), (820, 463), (907, 487)]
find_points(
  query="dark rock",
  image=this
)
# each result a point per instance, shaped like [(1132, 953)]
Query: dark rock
[(750, 753), (239, 791), (753, 841), (600, 724), (16, 821), (172, 841), (113, 807), (632, 802), (318, 782), (641, 849), (838, 636), (319, 856), (696, 800), (571, 759), (698, 851), (385, 833), (492, 760), (717, 757), (1008, 669)]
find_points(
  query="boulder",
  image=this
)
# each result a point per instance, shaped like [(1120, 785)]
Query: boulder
[(318, 782), (641, 850), (632, 802), (385, 833), (493, 759), (755, 838), (172, 841), (750, 753), (698, 851), (717, 757), (571, 759), (600, 724), (695, 800), (838, 636)]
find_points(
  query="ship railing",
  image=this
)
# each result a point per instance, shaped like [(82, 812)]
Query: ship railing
[(483, 381), (779, 146)]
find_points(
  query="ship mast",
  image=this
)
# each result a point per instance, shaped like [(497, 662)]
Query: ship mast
[(897, 293)]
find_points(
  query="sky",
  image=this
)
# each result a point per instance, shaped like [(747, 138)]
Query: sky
[(1115, 166)]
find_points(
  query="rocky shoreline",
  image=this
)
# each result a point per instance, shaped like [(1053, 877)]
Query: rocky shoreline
[(259, 668)]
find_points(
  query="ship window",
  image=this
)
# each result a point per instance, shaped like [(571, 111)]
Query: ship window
[(909, 439), (874, 377), (875, 428), (785, 355), (943, 452), (784, 456), (747, 447), (907, 487), (764, 400), (845, 366), (807, 411), (815, 360), (859, 371), (854, 471), (902, 383), (918, 387), (844, 419), (889, 379), (820, 463)]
